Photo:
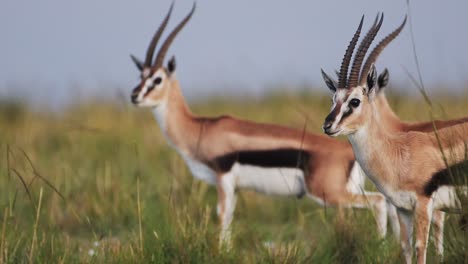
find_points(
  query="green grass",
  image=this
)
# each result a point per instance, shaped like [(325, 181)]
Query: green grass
[(92, 161)]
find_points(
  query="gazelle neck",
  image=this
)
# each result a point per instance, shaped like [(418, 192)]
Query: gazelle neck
[(175, 118), (371, 138), (388, 116)]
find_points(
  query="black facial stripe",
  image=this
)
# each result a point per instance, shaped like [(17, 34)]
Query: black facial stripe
[(276, 158), (332, 115), (155, 82), (348, 112), (136, 90), (149, 90), (443, 177)]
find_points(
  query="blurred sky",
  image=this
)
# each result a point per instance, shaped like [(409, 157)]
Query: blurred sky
[(56, 50)]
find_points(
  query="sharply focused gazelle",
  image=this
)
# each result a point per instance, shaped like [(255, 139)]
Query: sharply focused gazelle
[(406, 166), (392, 122), (237, 154)]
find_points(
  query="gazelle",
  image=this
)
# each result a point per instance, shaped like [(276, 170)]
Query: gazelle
[(406, 166), (395, 125), (235, 154)]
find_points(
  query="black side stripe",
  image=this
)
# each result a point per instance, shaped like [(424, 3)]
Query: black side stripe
[(443, 177), (276, 158)]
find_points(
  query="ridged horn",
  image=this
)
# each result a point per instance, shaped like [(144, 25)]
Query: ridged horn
[(167, 43), (156, 37), (377, 50), (347, 57), (353, 78)]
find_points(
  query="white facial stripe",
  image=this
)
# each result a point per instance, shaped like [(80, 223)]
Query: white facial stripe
[(338, 96), (341, 96), (149, 82), (333, 101)]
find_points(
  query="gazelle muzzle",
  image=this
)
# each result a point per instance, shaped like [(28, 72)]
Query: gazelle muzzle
[(134, 96)]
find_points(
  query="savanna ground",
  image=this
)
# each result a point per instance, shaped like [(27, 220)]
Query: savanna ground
[(96, 182)]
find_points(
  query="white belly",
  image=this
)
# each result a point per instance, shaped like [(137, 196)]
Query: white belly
[(271, 181), (401, 199), (200, 170), (356, 180), (445, 198)]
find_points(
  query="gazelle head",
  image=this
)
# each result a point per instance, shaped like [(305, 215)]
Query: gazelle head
[(155, 78), (353, 97)]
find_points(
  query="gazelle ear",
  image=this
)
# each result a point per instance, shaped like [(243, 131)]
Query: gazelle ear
[(329, 81), (382, 81), (371, 79), (171, 65), (137, 62)]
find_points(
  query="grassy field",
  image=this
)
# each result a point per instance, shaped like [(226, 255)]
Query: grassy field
[(97, 183)]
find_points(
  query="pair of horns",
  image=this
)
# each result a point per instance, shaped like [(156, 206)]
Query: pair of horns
[(158, 62), (357, 76)]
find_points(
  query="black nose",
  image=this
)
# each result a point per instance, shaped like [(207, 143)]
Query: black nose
[(134, 97), (328, 122), (327, 126)]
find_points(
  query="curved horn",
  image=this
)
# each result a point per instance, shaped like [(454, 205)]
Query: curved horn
[(362, 50), (167, 43), (157, 35), (377, 50), (347, 56)]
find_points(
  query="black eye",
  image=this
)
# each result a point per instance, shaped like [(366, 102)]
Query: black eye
[(157, 81), (354, 102)]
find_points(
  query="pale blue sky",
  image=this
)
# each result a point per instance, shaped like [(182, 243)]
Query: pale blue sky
[(56, 50)]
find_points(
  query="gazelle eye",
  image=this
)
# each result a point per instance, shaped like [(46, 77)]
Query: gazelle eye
[(157, 81), (354, 102)]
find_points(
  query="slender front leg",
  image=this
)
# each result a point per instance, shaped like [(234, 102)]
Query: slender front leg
[(379, 205), (438, 218), (406, 233), (423, 216), (226, 206), (357, 197), (375, 201), (393, 217)]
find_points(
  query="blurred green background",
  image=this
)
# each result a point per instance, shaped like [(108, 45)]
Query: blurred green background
[(76, 182)]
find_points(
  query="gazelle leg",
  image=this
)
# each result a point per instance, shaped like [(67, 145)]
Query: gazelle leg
[(376, 201), (380, 209), (406, 233), (422, 217), (438, 218), (394, 223), (226, 206), (341, 216)]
